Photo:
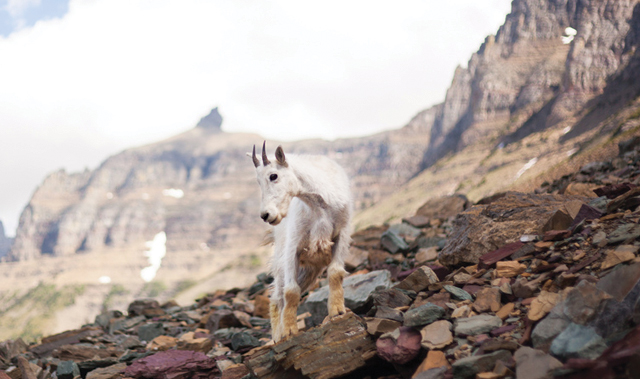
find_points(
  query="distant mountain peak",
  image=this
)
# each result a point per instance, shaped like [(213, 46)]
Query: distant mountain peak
[(212, 121)]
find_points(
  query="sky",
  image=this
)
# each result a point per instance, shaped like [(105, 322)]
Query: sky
[(85, 79)]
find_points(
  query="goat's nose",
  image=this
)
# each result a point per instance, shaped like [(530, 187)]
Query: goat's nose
[(264, 216)]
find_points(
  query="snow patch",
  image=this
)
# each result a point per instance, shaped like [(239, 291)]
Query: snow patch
[(570, 34), (173, 192), (527, 166), (572, 151), (157, 251)]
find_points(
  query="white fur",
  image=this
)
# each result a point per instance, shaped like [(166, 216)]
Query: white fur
[(309, 205)]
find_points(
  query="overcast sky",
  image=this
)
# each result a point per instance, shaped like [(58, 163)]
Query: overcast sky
[(84, 79)]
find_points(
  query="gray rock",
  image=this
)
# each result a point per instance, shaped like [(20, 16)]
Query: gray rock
[(600, 203), (434, 373), (67, 370), (358, 293), (593, 167), (125, 323), (469, 366), (623, 233), (578, 341), (534, 364), (389, 313), (457, 293), (471, 326), (150, 331), (404, 229), (423, 315), (391, 241), (104, 318), (243, 340), (548, 328)]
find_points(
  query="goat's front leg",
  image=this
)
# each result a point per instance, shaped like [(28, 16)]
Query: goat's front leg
[(275, 309), (289, 315), (336, 274), (290, 274), (335, 304)]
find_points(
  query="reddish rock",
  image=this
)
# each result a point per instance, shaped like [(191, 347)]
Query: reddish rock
[(487, 299), (400, 346), (490, 259), (173, 364), (139, 307), (614, 190)]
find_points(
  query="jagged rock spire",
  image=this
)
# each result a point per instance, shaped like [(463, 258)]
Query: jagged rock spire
[(212, 121)]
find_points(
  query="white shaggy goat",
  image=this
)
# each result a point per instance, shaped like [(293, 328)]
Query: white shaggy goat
[(307, 200)]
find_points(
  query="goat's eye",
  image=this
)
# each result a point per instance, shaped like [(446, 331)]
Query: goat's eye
[(273, 177)]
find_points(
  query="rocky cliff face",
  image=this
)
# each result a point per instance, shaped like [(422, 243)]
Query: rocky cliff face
[(528, 69), (5, 242), (198, 188)]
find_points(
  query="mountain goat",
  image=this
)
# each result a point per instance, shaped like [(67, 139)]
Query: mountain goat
[(308, 201)]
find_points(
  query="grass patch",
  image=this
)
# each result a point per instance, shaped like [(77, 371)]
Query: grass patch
[(115, 291), (153, 289), (28, 316), (184, 285), (634, 115)]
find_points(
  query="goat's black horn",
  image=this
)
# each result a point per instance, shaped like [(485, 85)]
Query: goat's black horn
[(256, 162), (265, 160)]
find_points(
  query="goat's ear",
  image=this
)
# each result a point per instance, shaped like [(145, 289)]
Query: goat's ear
[(280, 156)]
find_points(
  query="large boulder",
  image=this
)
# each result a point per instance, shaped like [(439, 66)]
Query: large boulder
[(489, 226)]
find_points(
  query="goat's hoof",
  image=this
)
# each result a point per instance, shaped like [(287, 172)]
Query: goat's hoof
[(289, 332), (336, 314)]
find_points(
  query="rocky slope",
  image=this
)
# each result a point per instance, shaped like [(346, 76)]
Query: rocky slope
[(519, 285)]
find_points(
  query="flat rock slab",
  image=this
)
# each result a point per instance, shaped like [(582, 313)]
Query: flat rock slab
[(534, 364), (358, 292), (437, 335), (471, 326), (423, 315), (327, 351)]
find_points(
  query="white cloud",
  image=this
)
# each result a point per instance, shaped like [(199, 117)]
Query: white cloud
[(119, 73)]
